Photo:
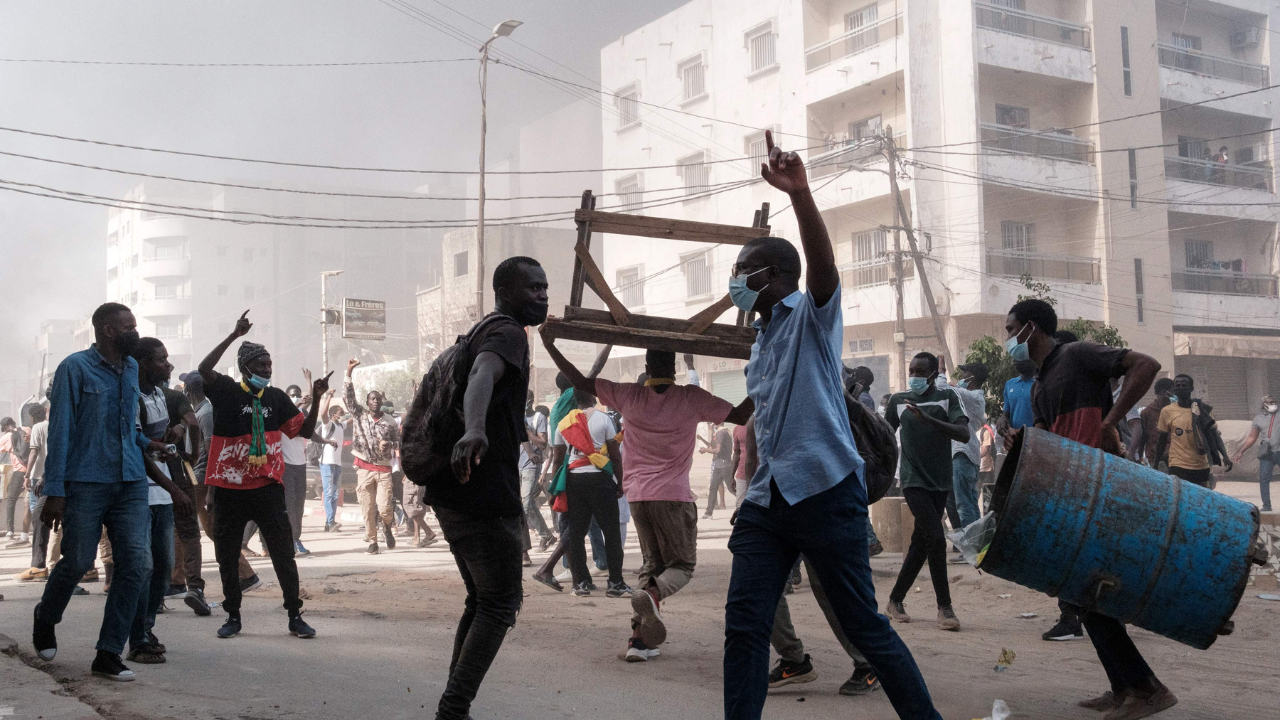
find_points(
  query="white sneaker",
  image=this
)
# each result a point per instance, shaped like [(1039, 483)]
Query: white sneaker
[(599, 572), (564, 576), (635, 654)]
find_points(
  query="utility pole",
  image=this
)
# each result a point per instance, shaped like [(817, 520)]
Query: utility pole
[(324, 319), (904, 222), (501, 30), (900, 328)]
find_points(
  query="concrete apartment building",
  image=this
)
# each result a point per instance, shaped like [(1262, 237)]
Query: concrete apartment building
[(187, 280), (1075, 141)]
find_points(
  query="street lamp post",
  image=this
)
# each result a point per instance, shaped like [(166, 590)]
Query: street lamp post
[(501, 30), (324, 319)]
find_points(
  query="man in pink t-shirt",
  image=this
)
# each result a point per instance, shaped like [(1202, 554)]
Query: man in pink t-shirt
[(661, 421)]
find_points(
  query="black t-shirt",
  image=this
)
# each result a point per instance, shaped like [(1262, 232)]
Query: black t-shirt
[(1072, 394), (494, 487), (725, 444), (229, 465)]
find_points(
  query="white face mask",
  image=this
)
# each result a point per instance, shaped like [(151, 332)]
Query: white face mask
[(1271, 408)]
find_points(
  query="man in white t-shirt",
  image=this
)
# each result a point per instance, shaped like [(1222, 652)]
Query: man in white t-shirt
[(531, 453), (332, 433), (295, 469)]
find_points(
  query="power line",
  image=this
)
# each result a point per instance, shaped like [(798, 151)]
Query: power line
[(997, 151), (233, 65)]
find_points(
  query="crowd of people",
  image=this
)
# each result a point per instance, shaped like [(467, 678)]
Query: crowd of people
[(128, 468)]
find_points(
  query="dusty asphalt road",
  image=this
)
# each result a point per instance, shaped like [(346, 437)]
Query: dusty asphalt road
[(386, 623)]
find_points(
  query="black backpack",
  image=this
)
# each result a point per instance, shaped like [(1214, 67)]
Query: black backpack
[(434, 422), (878, 446)]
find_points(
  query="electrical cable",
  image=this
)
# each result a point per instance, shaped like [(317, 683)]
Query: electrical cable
[(233, 65)]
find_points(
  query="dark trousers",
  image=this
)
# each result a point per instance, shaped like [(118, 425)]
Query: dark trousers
[(830, 529), (1126, 669), (16, 479), (186, 531), (1202, 477), (39, 536), (719, 476), (927, 543), (593, 495), (152, 594), (295, 496), (488, 552), (233, 509)]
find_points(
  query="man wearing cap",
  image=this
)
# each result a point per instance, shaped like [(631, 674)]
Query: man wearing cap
[(245, 472)]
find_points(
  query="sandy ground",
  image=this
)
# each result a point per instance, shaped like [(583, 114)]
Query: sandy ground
[(386, 623)]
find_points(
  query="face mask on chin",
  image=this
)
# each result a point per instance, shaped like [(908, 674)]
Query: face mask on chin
[(257, 382)]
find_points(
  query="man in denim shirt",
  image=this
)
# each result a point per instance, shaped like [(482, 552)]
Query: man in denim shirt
[(95, 476), (805, 497)]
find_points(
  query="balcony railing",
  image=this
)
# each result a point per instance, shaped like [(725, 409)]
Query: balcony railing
[(1224, 282), (852, 42), (1041, 143), (845, 155), (877, 271), (1225, 68), (1257, 176), (1068, 268), (1040, 27)]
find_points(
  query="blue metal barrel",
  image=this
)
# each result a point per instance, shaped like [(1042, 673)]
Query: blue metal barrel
[(1121, 539)]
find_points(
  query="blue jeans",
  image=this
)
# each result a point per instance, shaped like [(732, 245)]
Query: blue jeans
[(331, 479), (964, 480), (830, 529), (122, 508), (161, 568), (1266, 466)]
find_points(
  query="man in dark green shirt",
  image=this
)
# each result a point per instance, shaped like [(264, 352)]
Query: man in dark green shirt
[(928, 418)]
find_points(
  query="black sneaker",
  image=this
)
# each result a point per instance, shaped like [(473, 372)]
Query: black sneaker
[(153, 640), (582, 589), (253, 582), (195, 600), (176, 591), (787, 673), (373, 549), (864, 681), (1064, 630), (43, 637), (620, 589), (299, 627), (230, 628), (147, 654), (109, 665), (389, 536)]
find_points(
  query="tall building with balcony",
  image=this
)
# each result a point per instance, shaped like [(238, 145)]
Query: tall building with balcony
[(187, 280), (1117, 151)]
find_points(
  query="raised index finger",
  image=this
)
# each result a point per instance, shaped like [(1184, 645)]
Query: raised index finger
[(768, 140)]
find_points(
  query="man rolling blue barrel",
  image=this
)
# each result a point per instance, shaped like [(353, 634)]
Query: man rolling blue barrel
[(1073, 399)]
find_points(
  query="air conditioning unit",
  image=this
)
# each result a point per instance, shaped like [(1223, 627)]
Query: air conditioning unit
[(1256, 153), (1246, 38)]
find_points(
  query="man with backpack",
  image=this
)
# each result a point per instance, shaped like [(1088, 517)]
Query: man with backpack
[(471, 472)]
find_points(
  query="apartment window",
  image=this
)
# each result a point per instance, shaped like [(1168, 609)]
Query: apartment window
[(1133, 178), (112, 239), (133, 261), (632, 286), (860, 26), (1011, 4), (460, 261), (756, 149), (864, 129), (629, 191), (627, 103), (693, 76), (1193, 147), (762, 45), (248, 292), (697, 275), (248, 254), (169, 328), (1187, 57), (1137, 286), (869, 250), (1013, 116), (1124, 61), (1186, 42), (222, 251), (1018, 236), (223, 290), (169, 249), (113, 274), (1199, 254), (694, 173), (167, 291)]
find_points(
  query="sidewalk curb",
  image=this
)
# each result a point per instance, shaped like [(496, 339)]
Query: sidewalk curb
[(29, 692)]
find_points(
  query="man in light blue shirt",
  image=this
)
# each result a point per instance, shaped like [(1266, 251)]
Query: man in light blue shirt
[(94, 476), (807, 495)]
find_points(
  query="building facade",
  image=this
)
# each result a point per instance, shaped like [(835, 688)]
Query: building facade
[(188, 280), (1117, 151)]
